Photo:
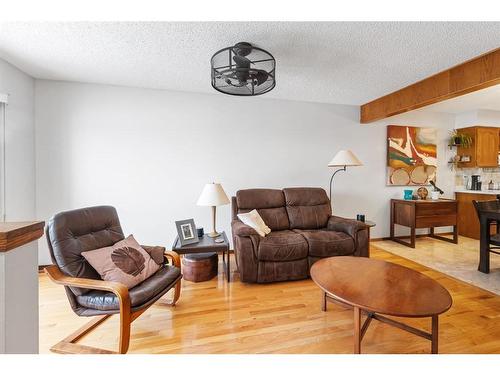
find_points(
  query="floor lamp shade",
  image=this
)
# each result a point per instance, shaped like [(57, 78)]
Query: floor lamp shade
[(344, 158), (213, 195)]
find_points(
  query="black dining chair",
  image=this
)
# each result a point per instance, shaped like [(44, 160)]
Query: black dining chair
[(488, 213)]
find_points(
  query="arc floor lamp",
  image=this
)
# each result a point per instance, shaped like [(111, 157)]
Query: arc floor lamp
[(343, 159)]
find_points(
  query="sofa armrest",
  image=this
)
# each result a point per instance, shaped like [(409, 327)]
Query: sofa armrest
[(356, 229), (245, 241), (243, 230), (349, 226)]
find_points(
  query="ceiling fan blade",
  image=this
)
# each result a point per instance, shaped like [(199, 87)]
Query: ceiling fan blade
[(241, 62), (261, 77), (242, 74)]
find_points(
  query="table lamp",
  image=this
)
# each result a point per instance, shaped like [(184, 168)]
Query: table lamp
[(213, 195), (344, 159)]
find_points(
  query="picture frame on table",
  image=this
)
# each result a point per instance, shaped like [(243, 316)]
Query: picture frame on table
[(186, 230)]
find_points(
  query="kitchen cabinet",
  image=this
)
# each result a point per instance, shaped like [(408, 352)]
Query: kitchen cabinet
[(484, 149), (468, 222)]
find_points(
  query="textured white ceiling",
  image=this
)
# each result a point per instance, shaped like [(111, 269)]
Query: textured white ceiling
[(335, 62)]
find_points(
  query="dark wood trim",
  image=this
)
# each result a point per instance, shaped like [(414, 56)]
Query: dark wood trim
[(13, 235), (473, 75)]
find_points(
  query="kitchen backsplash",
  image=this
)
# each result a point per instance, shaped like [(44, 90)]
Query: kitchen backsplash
[(487, 174)]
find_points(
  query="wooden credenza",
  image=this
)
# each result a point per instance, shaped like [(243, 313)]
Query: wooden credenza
[(424, 214), (468, 222)]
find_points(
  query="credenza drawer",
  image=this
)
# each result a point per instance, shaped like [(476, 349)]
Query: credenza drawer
[(435, 221), (436, 208)]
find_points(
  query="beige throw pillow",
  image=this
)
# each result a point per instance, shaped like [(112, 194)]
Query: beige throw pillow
[(125, 262), (254, 220)]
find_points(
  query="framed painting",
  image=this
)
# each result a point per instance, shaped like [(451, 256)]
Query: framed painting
[(411, 155)]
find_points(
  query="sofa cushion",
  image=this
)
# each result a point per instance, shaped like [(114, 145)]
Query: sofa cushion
[(324, 243), (282, 246), (269, 203), (307, 208), (283, 271), (253, 220), (140, 294)]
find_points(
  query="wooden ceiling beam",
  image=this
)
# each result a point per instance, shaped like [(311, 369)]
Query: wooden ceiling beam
[(476, 74)]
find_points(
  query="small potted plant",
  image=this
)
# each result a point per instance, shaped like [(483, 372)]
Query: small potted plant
[(460, 139)]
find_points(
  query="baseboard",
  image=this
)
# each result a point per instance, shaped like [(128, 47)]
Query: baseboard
[(406, 237)]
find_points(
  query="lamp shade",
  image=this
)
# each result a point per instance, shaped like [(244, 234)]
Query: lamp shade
[(344, 158), (212, 195)]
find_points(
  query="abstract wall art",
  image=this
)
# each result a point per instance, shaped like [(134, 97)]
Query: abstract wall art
[(411, 155)]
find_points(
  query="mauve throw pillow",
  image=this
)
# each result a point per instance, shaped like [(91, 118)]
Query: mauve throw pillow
[(125, 262)]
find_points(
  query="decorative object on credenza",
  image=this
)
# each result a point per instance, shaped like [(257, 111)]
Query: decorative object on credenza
[(186, 230), (435, 191), (434, 195), (213, 195), (408, 195), (200, 231), (411, 155), (422, 193), (243, 70), (343, 159), (360, 217)]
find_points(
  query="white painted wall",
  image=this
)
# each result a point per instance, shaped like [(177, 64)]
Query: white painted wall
[(149, 153), (480, 117), (20, 143)]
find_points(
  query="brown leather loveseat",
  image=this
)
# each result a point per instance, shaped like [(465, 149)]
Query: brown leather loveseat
[(303, 231)]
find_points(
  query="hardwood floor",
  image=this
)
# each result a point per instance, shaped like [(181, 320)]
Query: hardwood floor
[(216, 317)]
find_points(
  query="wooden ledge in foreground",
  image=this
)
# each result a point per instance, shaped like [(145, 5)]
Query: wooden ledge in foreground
[(13, 235)]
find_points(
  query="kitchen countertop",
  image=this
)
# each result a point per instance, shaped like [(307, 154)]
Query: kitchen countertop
[(490, 192)]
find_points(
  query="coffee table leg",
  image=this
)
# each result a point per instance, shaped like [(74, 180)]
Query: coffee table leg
[(323, 301), (357, 330), (228, 267), (435, 333)]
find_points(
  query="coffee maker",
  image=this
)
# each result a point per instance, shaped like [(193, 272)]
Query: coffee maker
[(475, 182)]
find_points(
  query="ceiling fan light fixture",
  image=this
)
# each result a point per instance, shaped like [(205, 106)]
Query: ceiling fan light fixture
[(243, 70)]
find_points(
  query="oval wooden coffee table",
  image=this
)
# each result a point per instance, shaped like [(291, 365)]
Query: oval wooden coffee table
[(375, 287)]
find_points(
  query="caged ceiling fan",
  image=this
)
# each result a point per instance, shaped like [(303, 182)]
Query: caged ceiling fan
[(243, 70)]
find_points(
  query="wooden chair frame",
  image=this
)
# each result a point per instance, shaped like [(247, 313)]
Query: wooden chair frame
[(69, 344)]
